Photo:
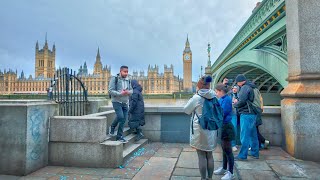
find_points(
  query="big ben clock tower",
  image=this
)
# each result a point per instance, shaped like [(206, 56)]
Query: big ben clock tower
[(187, 67)]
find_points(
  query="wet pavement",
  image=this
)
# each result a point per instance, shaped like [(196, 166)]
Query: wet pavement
[(179, 162)]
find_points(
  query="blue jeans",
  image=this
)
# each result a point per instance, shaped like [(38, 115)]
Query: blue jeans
[(234, 122), (248, 136), (121, 110)]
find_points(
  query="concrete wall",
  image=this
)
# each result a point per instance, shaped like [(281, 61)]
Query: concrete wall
[(24, 135), (171, 124), (95, 103)]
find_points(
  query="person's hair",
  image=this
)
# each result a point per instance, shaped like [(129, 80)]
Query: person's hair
[(123, 67), (221, 87), (204, 82)]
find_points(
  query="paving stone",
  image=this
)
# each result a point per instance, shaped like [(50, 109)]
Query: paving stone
[(9, 177), (184, 178), (289, 178), (125, 173), (151, 149), (86, 171), (168, 152), (274, 151), (307, 164), (287, 169), (113, 179), (30, 178), (74, 176), (176, 145), (189, 149), (190, 160), (252, 165), (186, 172), (46, 172), (257, 175), (159, 168), (283, 158), (137, 162)]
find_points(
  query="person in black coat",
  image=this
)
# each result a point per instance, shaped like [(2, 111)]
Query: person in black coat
[(136, 109)]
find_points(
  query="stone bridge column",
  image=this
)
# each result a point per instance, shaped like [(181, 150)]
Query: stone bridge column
[(300, 109)]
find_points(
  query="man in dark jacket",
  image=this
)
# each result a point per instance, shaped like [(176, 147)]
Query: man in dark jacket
[(136, 109), (248, 135)]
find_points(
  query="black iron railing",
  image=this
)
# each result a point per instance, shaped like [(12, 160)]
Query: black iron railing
[(69, 92)]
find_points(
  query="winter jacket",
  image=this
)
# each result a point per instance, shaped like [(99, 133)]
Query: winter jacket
[(245, 94), (115, 89), (226, 104), (136, 107), (201, 139)]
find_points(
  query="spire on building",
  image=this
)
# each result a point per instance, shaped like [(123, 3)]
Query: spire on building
[(98, 54), (46, 42), (37, 46), (54, 47), (187, 47)]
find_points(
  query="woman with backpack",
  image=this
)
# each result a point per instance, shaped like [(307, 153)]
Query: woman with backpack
[(227, 133), (203, 140)]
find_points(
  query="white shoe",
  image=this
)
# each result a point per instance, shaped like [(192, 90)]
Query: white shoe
[(228, 176), (219, 171), (266, 144), (249, 148), (234, 149)]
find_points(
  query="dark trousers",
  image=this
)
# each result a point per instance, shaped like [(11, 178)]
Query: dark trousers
[(227, 155), (261, 139), (121, 110)]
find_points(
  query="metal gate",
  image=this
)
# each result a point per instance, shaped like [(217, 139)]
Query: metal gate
[(69, 92)]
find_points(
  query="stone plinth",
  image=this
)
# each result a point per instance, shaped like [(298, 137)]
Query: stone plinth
[(24, 135), (301, 104)]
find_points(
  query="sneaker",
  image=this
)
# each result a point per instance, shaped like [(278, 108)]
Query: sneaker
[(254, 157), (234, 149), (228, 176), (249, 149), (139, 136), (237, 158), (111, 131), (219, 171), (266, 144), (122, 140)]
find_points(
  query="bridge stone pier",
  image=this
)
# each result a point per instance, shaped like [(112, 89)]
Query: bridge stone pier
[(300, 108)]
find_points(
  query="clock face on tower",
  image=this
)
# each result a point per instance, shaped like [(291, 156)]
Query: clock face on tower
[(187, 57)]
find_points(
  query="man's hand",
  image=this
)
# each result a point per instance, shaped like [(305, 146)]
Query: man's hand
[(124, 92), (235, 101)]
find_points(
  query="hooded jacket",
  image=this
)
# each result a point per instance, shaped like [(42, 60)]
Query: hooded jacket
[(115, 89), (245, 94), (201, 139), (136, 107)]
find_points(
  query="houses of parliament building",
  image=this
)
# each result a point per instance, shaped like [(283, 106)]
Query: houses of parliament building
[(153, 82)]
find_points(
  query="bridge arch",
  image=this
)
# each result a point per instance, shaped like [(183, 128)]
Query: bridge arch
[(266, 69)]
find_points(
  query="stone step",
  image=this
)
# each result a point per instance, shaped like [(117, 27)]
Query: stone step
[(105, 108), (132, 148), (113, 138), (131, 138)]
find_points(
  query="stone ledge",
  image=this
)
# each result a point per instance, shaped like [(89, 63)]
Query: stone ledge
[(78, 129)]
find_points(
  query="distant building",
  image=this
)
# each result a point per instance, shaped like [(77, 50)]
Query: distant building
[(159, 83), (153, 82)]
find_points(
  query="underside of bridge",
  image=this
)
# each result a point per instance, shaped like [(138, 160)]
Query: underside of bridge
[(267, 84)]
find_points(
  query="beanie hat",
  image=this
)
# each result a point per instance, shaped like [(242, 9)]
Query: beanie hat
[(204, 82), (240, 78)]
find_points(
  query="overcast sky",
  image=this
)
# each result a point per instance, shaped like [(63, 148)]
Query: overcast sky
[(129, 32)]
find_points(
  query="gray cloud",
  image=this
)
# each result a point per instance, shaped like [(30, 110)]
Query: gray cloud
[(135, 33)]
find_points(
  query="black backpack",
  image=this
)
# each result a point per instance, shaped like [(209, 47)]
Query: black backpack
[(116, 84)]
